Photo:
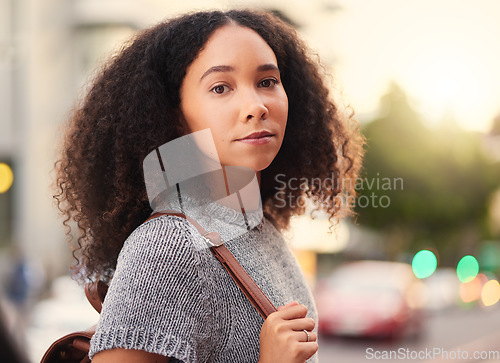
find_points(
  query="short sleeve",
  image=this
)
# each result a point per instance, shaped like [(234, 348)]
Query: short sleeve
[(156, 300)]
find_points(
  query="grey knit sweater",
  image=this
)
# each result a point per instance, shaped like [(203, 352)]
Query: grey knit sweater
[(170, 296)]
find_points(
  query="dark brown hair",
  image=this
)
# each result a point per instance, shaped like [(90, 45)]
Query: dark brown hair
[(132, 108)]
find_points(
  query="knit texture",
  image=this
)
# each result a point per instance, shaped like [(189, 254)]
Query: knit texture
[(171, 296)]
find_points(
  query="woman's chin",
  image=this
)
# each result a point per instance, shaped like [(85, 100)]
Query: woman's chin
[(257, 167)]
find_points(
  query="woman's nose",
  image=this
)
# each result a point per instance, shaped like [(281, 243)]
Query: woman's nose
[(253, 107)]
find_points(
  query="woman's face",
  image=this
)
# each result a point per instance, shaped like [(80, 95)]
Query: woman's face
[(234, 88)]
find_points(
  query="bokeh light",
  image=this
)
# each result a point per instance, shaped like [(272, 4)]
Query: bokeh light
[(490, 294), (471, 291), (489, 255), (424, 264), (467, 268), (6, 177)]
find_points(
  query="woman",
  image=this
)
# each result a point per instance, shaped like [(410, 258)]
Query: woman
[(246, 77)]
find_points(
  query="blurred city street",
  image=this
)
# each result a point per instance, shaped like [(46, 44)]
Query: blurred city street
[(451, 330)]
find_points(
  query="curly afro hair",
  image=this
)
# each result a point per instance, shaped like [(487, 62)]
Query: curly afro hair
[(132, 107)]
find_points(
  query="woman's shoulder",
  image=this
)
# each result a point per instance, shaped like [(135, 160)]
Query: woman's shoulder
[(160, 252), (161, 225), (165, 238), (156, 301)]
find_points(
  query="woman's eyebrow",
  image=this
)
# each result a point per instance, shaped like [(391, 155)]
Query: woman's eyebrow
[(222, 68), (268, 67), (217, 69)]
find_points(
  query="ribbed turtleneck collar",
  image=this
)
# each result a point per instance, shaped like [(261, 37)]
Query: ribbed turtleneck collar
[(214, 217)]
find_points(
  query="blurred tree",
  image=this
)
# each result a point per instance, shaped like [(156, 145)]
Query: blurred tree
[(495, 126), (422, 187)]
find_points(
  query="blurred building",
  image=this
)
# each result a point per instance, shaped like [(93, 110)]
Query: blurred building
[(47, 51)]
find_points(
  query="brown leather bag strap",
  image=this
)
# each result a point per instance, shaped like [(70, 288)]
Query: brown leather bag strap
[(251, 290), (95, 292)]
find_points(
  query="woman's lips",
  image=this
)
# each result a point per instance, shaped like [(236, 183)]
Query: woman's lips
[(257, 138)]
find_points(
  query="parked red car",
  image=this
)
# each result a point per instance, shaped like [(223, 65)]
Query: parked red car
[(370, 299)]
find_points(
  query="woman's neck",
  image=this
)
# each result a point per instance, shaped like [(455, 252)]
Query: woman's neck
[(242, 188)]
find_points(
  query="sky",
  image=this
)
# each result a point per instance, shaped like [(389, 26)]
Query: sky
[(444, 53)]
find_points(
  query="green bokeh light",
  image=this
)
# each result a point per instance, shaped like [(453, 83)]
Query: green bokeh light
[(467, 268), (424, 264)]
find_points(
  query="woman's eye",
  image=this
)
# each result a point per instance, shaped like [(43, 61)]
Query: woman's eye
[(268, 82), (220, 89)]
